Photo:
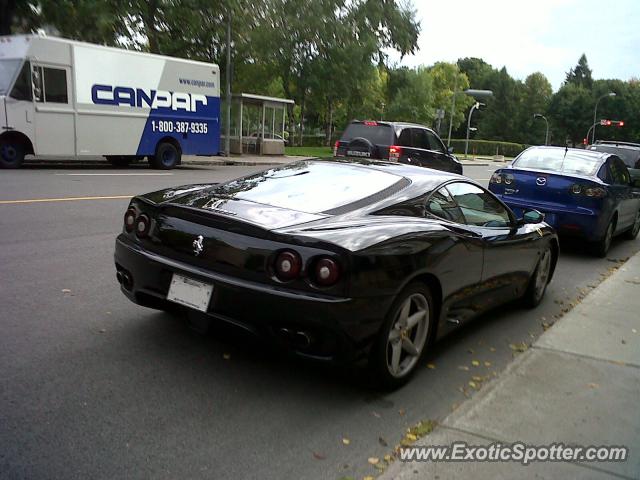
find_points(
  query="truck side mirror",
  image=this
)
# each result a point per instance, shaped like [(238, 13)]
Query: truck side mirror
[(36, 84)]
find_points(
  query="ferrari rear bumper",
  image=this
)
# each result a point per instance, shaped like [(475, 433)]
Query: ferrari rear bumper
[(319, 326)]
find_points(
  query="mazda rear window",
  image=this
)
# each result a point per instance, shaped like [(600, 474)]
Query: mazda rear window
[(376, 133), (315, 187), (557, 160)]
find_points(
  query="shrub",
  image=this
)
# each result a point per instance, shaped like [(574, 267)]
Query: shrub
[(488, 147)]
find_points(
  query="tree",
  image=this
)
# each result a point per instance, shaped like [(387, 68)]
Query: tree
[(572, 111), (580, 74), (536, 97)]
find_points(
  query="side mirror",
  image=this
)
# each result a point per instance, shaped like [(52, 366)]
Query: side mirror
[(36, 84), (531, 217), (450, 149)]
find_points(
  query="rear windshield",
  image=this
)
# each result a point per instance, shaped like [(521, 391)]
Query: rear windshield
[(378, 134), (555, 160), (629, 156), (313, 187)]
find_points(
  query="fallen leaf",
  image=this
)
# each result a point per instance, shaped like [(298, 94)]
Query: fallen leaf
[(368, 477), (593, 385), (518, 347), (103, 330), (375, 414), (463, 367), (319, 456), (473, 385), (388, 458), (346, 441), (226, 356), (633, 330), (411, 437), (492, 349), (373, 460), (401, 411), (487, 364), (475, 363), (431, 366), (66, 290), (477, 378)]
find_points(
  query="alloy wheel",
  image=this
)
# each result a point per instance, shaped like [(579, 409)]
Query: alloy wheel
[(408, 335), (542, 274)]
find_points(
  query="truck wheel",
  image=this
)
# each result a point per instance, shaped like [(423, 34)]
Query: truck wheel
[(119, 161), (167, 156), (11, 154)]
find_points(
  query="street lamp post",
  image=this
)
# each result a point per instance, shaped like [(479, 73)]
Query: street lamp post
[(472, 92), (595, 114), (546, 135), (466, 142)]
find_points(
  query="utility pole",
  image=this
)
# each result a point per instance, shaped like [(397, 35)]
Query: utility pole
[(227, 140)]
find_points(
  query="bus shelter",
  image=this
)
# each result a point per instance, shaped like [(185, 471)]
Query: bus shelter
[(258, 124)]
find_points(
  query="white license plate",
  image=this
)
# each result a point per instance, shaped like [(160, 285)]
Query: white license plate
[(189, 292)]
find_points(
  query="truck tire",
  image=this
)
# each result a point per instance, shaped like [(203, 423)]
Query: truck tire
[(11, 154), (167, 156)]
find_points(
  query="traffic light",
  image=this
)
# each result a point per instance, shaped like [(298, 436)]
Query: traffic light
[(609, 123)]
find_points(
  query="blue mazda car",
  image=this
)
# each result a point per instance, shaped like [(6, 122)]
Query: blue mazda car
[(586, 194)]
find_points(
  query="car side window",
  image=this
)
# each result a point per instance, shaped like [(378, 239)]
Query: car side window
[(419, 138), (434, 143), (405, 138), (478, 206), (619, 172), (442, 205)]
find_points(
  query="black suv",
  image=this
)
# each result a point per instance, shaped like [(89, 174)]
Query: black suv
[(396, 141), (627, 151)]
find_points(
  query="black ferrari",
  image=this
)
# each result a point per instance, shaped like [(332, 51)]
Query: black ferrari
[(336, 260)]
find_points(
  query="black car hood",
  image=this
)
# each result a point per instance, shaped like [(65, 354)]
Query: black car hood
[(204, 198)]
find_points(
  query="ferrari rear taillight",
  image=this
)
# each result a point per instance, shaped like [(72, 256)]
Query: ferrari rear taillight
[(288, 265), (129, 220), (592, 192), (143, 225), (395, 152), (326, 272)]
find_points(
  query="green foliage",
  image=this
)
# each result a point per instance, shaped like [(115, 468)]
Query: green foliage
[(580, 74)]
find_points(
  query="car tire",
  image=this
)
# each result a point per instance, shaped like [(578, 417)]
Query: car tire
[(632, 233), (401, 343), (601, 247), (119, 161), (11, 154), (539, 280), (167, 156)]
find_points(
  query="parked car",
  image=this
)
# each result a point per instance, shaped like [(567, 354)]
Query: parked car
[(396, 141), (583, 193), (336, 260), (628, 152)]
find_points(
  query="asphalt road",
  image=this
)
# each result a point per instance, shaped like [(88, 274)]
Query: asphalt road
[(93, 386)]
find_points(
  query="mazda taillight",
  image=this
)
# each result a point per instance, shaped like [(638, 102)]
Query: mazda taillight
[(326, 272), (592, 192), (506, 178), (394, 153), (288, 265), (129, 220), (143, 225)]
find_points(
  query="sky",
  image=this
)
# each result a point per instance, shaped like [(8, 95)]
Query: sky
[(537, 35)]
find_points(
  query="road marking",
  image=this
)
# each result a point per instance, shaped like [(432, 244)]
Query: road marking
[(112, 174), (64, 199)]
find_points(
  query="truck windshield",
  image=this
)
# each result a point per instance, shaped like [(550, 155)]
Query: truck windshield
[(8, 70)]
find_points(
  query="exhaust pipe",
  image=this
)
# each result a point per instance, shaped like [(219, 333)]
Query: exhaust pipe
[(125, 279), (296, 338)]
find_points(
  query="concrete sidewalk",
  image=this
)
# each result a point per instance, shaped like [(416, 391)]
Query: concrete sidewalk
[(578, 385)]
